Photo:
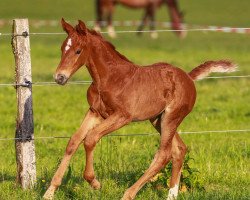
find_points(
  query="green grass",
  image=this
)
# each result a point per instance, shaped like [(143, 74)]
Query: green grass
[(223, 104)]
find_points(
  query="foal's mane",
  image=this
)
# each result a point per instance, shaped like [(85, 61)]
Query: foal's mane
[(93, 32)]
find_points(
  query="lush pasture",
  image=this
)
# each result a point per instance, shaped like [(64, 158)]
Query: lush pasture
[(222, 104)]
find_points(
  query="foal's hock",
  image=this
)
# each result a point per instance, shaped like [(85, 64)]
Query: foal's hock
[(123, 92)]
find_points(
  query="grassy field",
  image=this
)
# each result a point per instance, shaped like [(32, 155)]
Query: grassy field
[(222, 104)]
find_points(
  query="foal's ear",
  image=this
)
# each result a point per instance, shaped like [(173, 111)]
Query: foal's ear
[(81, 27), (67, 27)]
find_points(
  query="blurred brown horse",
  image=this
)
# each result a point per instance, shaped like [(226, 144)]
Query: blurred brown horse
[(105, 9), (123, 92)]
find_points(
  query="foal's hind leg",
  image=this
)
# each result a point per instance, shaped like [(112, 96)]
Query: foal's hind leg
[(170, 120), (90, 120), (178, 152)]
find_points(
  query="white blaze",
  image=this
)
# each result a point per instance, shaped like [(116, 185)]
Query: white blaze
[(173, 193), (68, 45)]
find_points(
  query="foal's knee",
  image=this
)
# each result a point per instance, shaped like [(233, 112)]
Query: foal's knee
[(71, 147)]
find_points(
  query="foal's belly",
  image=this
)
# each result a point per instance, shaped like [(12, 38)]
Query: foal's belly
[(148, 111), (146, 105)]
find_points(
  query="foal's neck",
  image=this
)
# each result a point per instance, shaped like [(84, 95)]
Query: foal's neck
[(105, 63)]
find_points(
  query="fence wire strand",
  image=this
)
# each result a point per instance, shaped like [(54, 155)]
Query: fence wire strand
[(89, 82), (212, 29), (134, 134)]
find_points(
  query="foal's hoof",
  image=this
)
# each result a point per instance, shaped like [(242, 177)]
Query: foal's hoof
[(127, 196), (95, 184), (49, 194)]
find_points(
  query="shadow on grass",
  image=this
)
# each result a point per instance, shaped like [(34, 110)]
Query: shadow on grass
[(7, 177), (125, 178), (120, 179)]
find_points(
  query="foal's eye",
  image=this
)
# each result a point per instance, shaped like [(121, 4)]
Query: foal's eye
[(78, 51)]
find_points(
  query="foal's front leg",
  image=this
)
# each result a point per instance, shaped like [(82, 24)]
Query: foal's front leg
[(90, 121), (110, 124)]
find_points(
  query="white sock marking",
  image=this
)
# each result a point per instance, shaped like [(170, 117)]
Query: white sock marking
[(173, 192)]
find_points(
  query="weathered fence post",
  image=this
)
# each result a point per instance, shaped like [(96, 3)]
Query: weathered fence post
[(25, 147)]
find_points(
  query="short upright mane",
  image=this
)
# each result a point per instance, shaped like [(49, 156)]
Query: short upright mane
[(93, 32)]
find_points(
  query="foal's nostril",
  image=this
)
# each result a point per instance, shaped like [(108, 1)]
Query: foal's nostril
[(61, 79)]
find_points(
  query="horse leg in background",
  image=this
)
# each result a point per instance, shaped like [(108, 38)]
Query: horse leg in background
[(110, 124), (110, 10), (169, 124), (91, 120), (153, 34), (176, 18), (178, 152), (144, 21), (99, 16)]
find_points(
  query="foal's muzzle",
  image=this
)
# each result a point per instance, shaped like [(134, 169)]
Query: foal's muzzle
[(61, 79)]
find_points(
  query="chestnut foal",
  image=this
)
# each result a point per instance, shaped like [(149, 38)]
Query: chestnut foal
[(123, 92)]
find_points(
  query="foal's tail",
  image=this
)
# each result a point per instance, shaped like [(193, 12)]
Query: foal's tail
[(208, 67)]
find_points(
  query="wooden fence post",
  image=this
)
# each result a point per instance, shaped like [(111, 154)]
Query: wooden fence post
[(25, 147)]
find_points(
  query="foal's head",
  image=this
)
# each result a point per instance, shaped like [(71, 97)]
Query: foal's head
[(75, 51)]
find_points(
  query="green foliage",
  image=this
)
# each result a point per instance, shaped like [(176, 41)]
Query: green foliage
[(190, 177)]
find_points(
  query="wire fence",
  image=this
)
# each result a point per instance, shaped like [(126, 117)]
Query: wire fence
[(133, 134), (89, 82), (129, 23), (211, 29)]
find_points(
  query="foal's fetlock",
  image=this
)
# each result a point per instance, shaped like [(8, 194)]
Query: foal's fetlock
[(93, 182)]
